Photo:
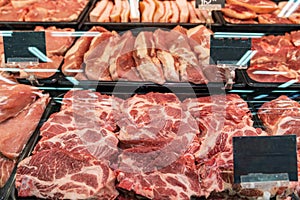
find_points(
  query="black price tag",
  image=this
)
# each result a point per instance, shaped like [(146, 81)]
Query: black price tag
[(200, 3), (266, 155), (24, 45), (230, 50)]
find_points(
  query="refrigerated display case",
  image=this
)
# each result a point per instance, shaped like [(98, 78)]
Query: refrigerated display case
[(141, 109)]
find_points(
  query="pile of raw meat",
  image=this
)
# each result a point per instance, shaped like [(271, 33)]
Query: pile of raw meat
[(151, 145), (173, 11), (41, 11), (21, 108), (277, 58), (260, 12), (176, 55), (57, 43)]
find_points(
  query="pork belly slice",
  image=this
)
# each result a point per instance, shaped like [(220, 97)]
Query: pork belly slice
[(97, 10), (104, 16), (6, 168), (125, 11), (184, 11), (122, 64), (115, 15), (10, 95), (148, 65), (57, 173)]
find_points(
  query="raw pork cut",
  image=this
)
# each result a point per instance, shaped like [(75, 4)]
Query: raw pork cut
[(176, 181), (74, 56), (281, 116), (153, 119), (148, 65), (6, 167), (10, 104), (18, 130), (69, 176)]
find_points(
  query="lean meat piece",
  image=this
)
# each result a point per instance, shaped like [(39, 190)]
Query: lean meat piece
[(122, 65), (176, 181), (170, 64), (6, 167), (93, 106), (216, 111), (273, 72), (153, 119), (199, 40), (70, 176), (219, 117), (57, 40), (18, 130), (148, 65), (281, 116), (97, 58), (10, 104), (74, 56), (177, 44), (99, 142)]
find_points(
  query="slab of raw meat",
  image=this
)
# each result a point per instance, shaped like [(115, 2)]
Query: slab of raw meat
[(281, 116), (69, 176), (122, 65), (99, 142), (153, 119), (148, 65), (18, 130), (10, 104), (6, 167), (176, 181)]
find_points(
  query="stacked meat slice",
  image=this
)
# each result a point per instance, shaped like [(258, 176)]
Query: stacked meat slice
[(177, 55), (277, 58), (21, 108)]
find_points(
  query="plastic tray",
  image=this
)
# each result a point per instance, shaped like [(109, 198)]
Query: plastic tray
[(18, 25), (9, 186), (260, 28)]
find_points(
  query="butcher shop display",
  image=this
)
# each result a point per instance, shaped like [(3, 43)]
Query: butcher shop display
[(21, 108), (150, 145), (277, 58), (260, 12), (177, 55), (56, 47), (42, 11), (157, 11)]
